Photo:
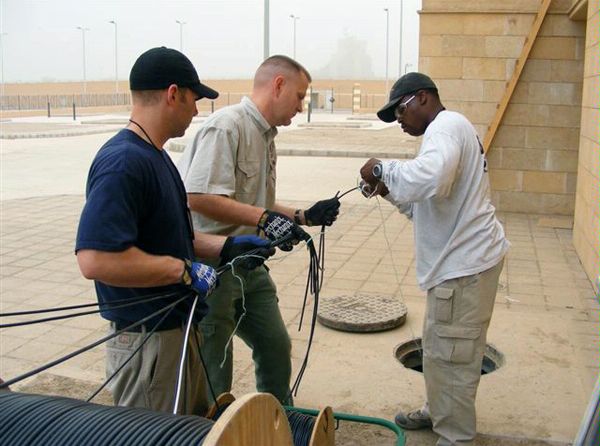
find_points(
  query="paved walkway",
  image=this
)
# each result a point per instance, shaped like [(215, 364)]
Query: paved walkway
[(545, 322)]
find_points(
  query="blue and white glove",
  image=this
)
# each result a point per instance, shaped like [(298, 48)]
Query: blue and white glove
[(201, 278), (276, 226), (258, 248)]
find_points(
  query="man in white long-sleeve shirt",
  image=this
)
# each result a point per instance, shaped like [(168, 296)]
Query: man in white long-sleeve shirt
[(460, 248)]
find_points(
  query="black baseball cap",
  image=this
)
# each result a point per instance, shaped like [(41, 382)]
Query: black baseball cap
[(409, 83), (160, 67)]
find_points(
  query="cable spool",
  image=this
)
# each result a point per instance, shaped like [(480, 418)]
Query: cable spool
[(254, 419), (223, 401), (306, 430), (32, 420), (310, 431)]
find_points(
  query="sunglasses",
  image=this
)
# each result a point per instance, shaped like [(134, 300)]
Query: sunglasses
[(401, 108)]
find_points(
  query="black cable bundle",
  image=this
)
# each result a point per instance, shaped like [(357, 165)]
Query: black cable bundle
[(313, 283), (108, 305), (62, 359), (301, 425), (31, 420)]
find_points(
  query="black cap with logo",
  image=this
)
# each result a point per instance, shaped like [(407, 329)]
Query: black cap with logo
[(407, 84), (158, 68)]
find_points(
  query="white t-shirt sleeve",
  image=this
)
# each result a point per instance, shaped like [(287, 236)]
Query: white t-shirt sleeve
[(208, 164), (430, 174)]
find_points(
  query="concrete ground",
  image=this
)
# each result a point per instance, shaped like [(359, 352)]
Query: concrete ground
[(545, 322)]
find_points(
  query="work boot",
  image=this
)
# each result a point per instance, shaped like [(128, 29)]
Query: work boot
[(414, 420)]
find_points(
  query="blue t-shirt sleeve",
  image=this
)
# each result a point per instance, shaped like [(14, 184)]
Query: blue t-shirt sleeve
[(109, 221)]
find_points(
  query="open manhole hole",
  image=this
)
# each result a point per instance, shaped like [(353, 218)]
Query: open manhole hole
[(410, 355)]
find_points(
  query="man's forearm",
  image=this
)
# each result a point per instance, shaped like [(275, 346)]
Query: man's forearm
[(225, 209), (287, 211), (208, 245), (132, 268)]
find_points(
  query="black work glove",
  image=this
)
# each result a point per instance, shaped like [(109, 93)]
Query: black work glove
[(258, 249), (323, 212), (276, 226)]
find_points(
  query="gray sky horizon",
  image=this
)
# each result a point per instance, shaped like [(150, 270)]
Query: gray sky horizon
[(223, 38)]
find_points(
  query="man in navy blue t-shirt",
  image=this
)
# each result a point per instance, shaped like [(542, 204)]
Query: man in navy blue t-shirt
[(136, 241)]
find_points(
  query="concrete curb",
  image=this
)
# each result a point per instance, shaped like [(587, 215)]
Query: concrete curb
[(179, 147), (335, 125), (59, 134)]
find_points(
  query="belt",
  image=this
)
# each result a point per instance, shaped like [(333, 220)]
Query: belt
[(165, 325)]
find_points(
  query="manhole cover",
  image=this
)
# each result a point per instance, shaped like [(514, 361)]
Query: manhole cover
[(361, 312), (410, 355)]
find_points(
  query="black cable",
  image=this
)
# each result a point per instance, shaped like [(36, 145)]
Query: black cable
[(150, 333), (39, 420), (275, 243), (126, 431), (301, 426), (312, 283), (92, 345), (50, 415), (347, 192), (149, 298), (83, 313), (322, 255), (210, 386), (98, 432), (131, 436), (19, 425)]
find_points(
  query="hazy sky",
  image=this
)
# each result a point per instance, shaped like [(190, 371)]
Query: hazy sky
[(224, 38)]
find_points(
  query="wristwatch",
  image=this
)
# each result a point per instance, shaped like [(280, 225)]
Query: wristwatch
[(378, 170)]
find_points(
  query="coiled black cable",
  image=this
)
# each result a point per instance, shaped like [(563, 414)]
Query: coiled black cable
[(301, 426), (32, 420)]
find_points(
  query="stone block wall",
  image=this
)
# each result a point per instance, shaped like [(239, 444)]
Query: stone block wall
[(586, 228), (470, 47)]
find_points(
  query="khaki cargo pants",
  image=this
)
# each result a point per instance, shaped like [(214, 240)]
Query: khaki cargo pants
[(149, 379), (454, 339)]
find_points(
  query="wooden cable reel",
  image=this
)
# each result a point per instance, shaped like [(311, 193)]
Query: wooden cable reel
[(254, 419), (259, 419)]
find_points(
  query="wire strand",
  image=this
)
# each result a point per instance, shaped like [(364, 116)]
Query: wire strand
[(147, 298), (83, 313), (90, 346), (396, 272), (182, 360), (150, 333)]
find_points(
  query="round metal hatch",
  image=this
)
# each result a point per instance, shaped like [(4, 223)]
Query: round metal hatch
[(362, 312)]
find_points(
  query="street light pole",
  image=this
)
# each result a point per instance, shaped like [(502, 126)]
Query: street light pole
[(83, 30), (387, 46), (181, 23), (294, 18), (116, 60), (400, 45), (2, 61), (266, 30)]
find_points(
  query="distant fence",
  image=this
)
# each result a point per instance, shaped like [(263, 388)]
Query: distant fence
[(41, 102), (322, 99), (330, 100)]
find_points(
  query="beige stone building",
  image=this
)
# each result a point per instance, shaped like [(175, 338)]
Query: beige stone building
[(544, 156)]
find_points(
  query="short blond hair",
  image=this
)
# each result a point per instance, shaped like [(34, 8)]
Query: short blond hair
[(278, 64), (146, 97)]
